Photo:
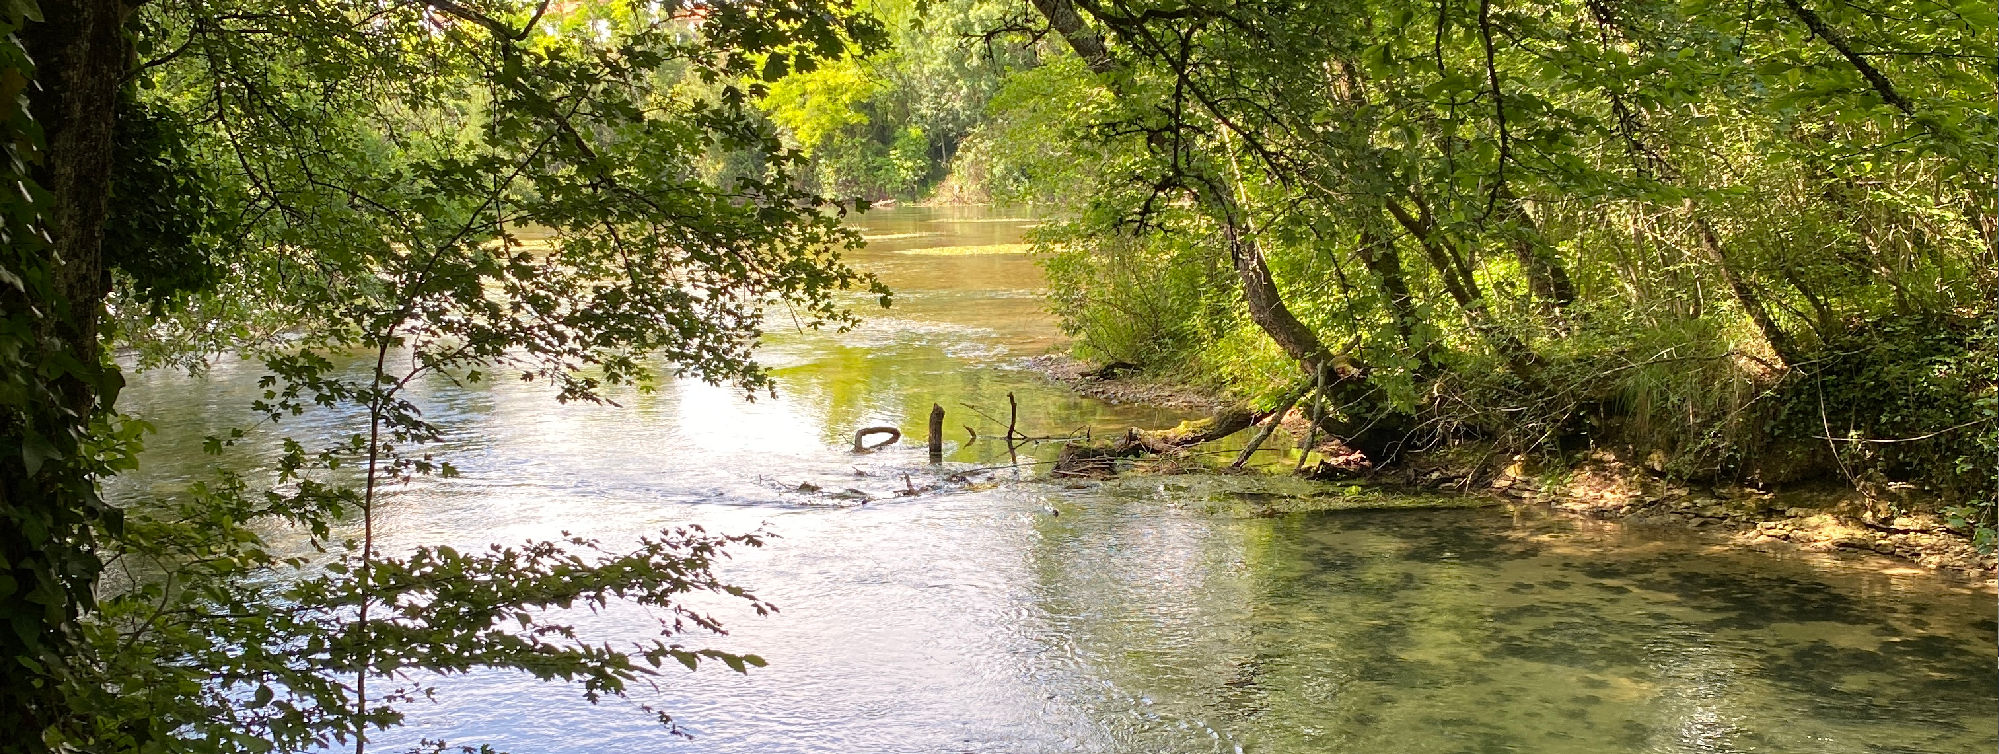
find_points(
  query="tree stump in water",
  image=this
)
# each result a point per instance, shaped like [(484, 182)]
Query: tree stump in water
[(936, 433), (894, 435)]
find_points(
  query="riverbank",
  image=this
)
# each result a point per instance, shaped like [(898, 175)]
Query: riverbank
[(1822, 516), (1118, 388)]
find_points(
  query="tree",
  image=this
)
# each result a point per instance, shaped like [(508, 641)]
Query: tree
[(887, 122), (1551, 223), (361, 172)]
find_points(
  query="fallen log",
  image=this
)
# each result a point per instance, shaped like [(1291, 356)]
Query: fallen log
[(1098, 460), (1228, 421)]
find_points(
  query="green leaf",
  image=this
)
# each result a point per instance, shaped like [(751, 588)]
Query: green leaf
[(36, 450)]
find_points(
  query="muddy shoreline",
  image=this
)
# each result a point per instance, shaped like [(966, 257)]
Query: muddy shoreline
[(1825, 518)]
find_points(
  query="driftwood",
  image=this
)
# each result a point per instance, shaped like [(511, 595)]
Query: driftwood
[(1318, 413), (1080, 455), (1100, 458), (894, 435), (1228, 421)]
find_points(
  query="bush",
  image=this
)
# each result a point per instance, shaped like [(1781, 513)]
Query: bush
[(1131, 300), (1908, 400)]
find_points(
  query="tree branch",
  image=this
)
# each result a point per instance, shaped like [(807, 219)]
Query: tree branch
[(1867, 70)]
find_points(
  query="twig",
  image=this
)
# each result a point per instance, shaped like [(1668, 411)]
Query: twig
[(1318, 413), (977, 469), (1828, 436)]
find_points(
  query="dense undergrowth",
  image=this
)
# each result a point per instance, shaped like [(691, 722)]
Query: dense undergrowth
[(1900, 406), (1732, 243)]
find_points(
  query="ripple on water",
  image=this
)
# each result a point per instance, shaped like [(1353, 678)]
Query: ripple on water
[(1149, 616)]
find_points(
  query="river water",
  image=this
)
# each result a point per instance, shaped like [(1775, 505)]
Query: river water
[(1139, 615)]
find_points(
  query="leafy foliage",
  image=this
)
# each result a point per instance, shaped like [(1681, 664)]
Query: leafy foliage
[(890, 123), (1639, 226), (362, 198)]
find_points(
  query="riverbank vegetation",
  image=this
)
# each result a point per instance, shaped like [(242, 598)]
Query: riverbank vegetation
[(338, 193), (1733, 241), (1728, 242)]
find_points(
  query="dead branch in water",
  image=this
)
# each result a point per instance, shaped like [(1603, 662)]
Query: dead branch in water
[(1276, 418), (894, 435)]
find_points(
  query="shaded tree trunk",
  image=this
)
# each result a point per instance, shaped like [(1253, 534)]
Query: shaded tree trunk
[(1385, 262), (1520, 360), (48, 501), (1546, 276), (1377, 432), (1367, 424), (1062, 16), (1752, 303)]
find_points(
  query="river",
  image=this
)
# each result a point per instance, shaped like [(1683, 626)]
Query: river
[(1138, 615)]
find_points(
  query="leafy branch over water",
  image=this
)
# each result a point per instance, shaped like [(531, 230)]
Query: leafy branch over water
[(356, 176)]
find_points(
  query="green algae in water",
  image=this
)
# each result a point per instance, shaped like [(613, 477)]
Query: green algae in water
[(1475, 631), (1271, 494)]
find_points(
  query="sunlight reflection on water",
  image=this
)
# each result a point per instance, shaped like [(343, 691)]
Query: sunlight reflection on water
[(1138, 620)]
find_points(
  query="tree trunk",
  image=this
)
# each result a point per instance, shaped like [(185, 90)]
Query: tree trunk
[(1520, 360), (1259, 289), (81, 55), (1385, 262), (1062, 16), (48, 501), (1752, 304), (1379, 430), (1546, 276)]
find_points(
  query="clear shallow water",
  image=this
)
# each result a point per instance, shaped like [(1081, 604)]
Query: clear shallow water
[(1140, 619)]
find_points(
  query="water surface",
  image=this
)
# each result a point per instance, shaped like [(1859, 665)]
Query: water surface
[(1151, 614)]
